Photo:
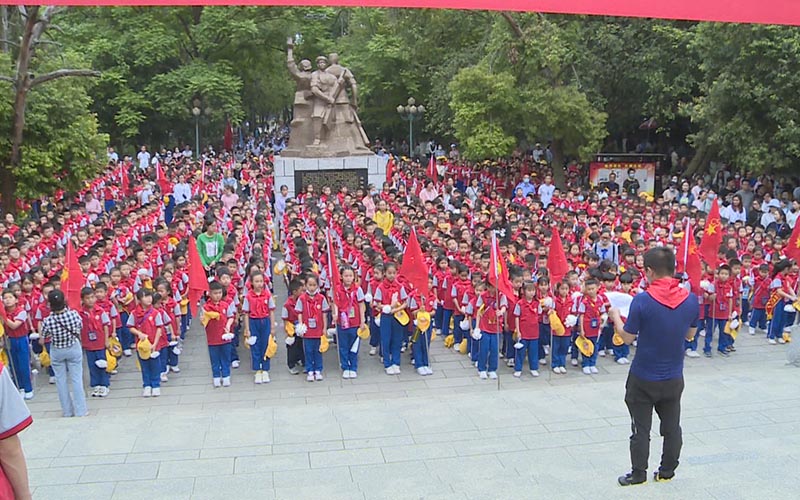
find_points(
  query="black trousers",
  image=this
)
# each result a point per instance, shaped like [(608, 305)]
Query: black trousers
[(642, 397), (294, 353)]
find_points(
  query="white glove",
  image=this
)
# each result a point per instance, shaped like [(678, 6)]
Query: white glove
[(367, 297), (301, 329), (571, 320), (33, 336), (705, 284), (154, 354), (102, 363), (734, 315), (518, 345), (734, 324), (576, 295), (603, 318), (290, 340), (415, 322), (173, 343), (177, 350), (788, 308), (228, 336), (476, 334), (377, 321), (751, 280), (464, 324), (251, 340), (548, 302), (387, 309), (330, 332)]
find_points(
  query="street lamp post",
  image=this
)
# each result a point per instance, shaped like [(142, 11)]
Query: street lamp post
[(196, 110), (411, 112)]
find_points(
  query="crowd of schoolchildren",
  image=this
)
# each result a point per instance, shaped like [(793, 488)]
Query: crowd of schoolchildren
[(171, 220)]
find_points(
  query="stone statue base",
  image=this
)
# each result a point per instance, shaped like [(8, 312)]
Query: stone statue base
[(352, 171)]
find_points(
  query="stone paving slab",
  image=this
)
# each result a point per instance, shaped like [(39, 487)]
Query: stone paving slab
[(447, 436)]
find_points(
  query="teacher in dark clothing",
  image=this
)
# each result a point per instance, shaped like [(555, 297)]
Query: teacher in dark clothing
[(661, 318)]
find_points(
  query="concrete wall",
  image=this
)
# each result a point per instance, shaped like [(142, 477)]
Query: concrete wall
[(286, 167)]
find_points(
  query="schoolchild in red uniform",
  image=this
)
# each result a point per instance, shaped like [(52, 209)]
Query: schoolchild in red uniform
[(294, 343), (490, 325), (258, 307), (312, 308), (590, 311), (389, 299), (144, 322), (15, 321), (526, 326), (218, 318), (94, 337)]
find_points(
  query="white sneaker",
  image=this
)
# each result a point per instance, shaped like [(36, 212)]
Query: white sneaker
[(703, 333), (574, 362), (147, 392), (175, 369), (317, 376), (751, 330), (534, 373), (164, 377), (493, 375), (235, 363), (156, 392), (373, 351), (104, 391), (226, 381), (593, 369), (421, 370), (396, 370), (310, 376), (502, 355), (772, 341), (482, 375), (517, 374), (510, 363), (403, 349), (346, 374), (294, 371), (622, 361), (389, 370), (51, 380), (543, 361), (257, 377), (127, 353), (428, 370), (353, 374), (556, 369), (602, 353), (781, 341), (217, 382), (586, 370), (563, 370), (692, 354), (265, 377), (95, 391)]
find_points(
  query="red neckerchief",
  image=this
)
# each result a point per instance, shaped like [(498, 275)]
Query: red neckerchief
[(667, 292)]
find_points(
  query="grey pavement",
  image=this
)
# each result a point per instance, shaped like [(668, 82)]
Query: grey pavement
[(449, 435)]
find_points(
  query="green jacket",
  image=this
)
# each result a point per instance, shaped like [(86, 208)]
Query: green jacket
[(210, 248)]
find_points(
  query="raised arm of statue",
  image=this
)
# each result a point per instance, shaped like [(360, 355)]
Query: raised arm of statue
[(290, 59)]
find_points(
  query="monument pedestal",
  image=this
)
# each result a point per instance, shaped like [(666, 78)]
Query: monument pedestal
[(352, 171)]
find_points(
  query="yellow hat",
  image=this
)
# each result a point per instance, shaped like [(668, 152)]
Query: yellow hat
[(289, 327), (433, 335), (585, 346), (115, 347), (402, 317), (272, 347), (4, 357), (323, 344), (279, 268), (423, 320), (733, 332), (363, 332), (787, 337), (556, 326), (796, 305), (144, 347), (166, 199), (449, 341), (462, 347), (111, 361), (208, 316), (44, 358), (617, 339)]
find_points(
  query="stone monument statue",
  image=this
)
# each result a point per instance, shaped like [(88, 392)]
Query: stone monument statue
[(325, 122)]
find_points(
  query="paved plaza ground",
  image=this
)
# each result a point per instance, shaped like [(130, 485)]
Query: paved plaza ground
[(449, 435)]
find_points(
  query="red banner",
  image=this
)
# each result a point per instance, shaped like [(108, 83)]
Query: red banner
[(735, 11)]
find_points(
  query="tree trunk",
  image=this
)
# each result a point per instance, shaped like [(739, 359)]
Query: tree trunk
[(559, 175), (701, 158)]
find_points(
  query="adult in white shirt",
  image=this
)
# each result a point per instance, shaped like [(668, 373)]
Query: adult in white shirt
[(182, 191), (144, 158), (769, 202), (734, 212), (793, 213), (112, 155), (429, 193), (546, 191)]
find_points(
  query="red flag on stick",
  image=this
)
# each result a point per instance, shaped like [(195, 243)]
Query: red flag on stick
[(390, 167), (72, 278), (793, 246), (161, 179), (689, 259), (712, 236), (413, 268), (557, 259), (432, 173), (333, 274), (227, 140), (498, 272), (198, 282)]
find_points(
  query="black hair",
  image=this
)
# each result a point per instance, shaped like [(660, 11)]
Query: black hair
[(86, 291), (661, 260)]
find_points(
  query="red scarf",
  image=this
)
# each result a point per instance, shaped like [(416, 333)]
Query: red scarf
[(667, 292)]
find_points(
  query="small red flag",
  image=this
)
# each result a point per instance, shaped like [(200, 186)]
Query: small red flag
[(390, 167), (557, 259), (228, 138), (413, 268), (161, 179), (198, 282), (712, 236), (688, 258), (333, 273), (498, 272), (793, 246), (72, 278), (432, 173)]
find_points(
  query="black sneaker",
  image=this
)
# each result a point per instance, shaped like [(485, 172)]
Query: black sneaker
[(724, 354), (661, 478), (629, 479), (707, 354)]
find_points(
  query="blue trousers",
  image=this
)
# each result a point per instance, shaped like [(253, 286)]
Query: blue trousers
[(604, 340), (163, 359), (777, 321), (97, 376), (507, 345), (591, 360), (20, 357), (545, 333), (438, 317), (745, 309), (392, 334), (421, 348), (621, 351), (712, 325), (172, 358), (458, 332), (574, 348), (474, 345), (312, 354), (347, 337), (487, 358), (260, 328), (237, 329), (220, 356), (788, 319), (186, 322), (531, 348), (558, 354), (446, 315), (124, 334), (758, 318), (374, 330), (151, 372)]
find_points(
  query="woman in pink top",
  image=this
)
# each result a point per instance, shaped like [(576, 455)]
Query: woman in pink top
[(229, 198)]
